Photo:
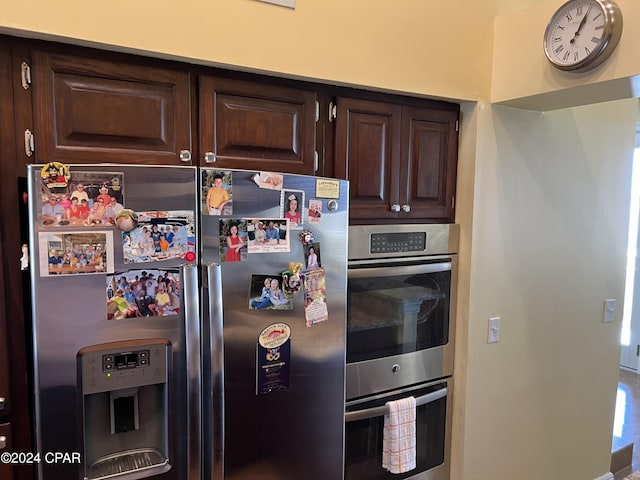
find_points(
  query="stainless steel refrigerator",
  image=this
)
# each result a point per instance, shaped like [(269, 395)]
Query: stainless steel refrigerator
[(187, 323)]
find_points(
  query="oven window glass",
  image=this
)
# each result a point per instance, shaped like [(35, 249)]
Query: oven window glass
[(363, 454), (391, 315)]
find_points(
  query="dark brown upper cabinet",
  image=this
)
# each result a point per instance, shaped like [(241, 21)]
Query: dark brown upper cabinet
[(256, 126), (400, 160), (90, 111), (430, 153), (368, 155)]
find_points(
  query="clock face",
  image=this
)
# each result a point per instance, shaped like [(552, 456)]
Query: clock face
[(582, 33)]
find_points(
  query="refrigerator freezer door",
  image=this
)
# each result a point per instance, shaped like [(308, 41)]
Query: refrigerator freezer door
[(121, 385)]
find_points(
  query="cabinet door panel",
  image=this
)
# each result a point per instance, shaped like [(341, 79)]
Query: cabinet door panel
[(256, 126), (100, 111), (367, 154), (6, 469), (430, 149)]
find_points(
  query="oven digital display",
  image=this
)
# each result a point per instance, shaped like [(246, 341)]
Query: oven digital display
[(398, 242)]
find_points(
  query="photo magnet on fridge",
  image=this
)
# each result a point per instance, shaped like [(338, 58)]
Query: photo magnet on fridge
[(315, 211), (233, 240), (217, 192), (291, 207), (75, 253), (143, 293), (266, 235), (266, 292), (268, 180), (159, 235), (89, 199)]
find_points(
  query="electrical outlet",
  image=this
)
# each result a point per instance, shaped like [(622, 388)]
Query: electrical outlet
[(494, 330)]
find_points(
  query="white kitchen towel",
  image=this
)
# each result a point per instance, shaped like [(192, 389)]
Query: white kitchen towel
[(399, 436)]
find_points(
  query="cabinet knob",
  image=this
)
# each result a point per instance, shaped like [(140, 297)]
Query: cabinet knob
[(406, 208), (3, 441), (3, 403), (395, 208), (210, 157), (185, 156)]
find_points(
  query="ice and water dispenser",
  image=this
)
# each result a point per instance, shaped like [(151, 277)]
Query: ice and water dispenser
[(124, 387)]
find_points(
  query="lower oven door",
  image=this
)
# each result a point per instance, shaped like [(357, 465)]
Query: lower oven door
[(364, 433)]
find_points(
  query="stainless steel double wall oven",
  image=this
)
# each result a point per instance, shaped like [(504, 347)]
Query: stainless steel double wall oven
[(400, 330)]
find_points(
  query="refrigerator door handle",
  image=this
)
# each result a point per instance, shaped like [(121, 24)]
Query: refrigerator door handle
[(215, 422), (194, 378)]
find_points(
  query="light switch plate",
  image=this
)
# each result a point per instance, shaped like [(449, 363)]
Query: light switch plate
[(609, 310), (494, 330)]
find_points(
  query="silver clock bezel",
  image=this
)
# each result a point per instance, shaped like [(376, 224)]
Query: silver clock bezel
[(610, 36)]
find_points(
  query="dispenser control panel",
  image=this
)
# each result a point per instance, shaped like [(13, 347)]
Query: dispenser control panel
[(126, 364), (124, 360)]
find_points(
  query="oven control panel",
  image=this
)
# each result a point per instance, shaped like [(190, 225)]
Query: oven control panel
[(398, 242)]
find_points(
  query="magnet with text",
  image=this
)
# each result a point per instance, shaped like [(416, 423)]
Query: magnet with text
[(273, 355), (315, 297), (327, 188)]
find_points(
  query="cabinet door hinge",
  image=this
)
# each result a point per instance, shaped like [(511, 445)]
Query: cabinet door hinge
[(333, 112), (638, 351), (457, 125), (25, 70), (317, 110), (29, 143)]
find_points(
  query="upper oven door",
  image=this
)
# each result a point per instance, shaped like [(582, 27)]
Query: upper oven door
[(398, 308)]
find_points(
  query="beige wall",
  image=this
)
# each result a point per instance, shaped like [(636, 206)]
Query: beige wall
[(407, 46), (522, 76), (548, 242), (542, 198)]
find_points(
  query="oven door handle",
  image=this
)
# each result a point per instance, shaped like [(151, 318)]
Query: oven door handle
[(384, 410), (357, 271)]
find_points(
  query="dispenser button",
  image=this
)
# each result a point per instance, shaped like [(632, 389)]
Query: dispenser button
[(108, 366), (144, 362)]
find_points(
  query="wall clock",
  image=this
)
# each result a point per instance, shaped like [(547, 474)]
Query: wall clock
[(582, 34)]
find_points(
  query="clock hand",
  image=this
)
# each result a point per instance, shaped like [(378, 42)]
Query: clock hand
[(582, 22)]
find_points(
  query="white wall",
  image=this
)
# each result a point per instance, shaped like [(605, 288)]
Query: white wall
[(548, 243)]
